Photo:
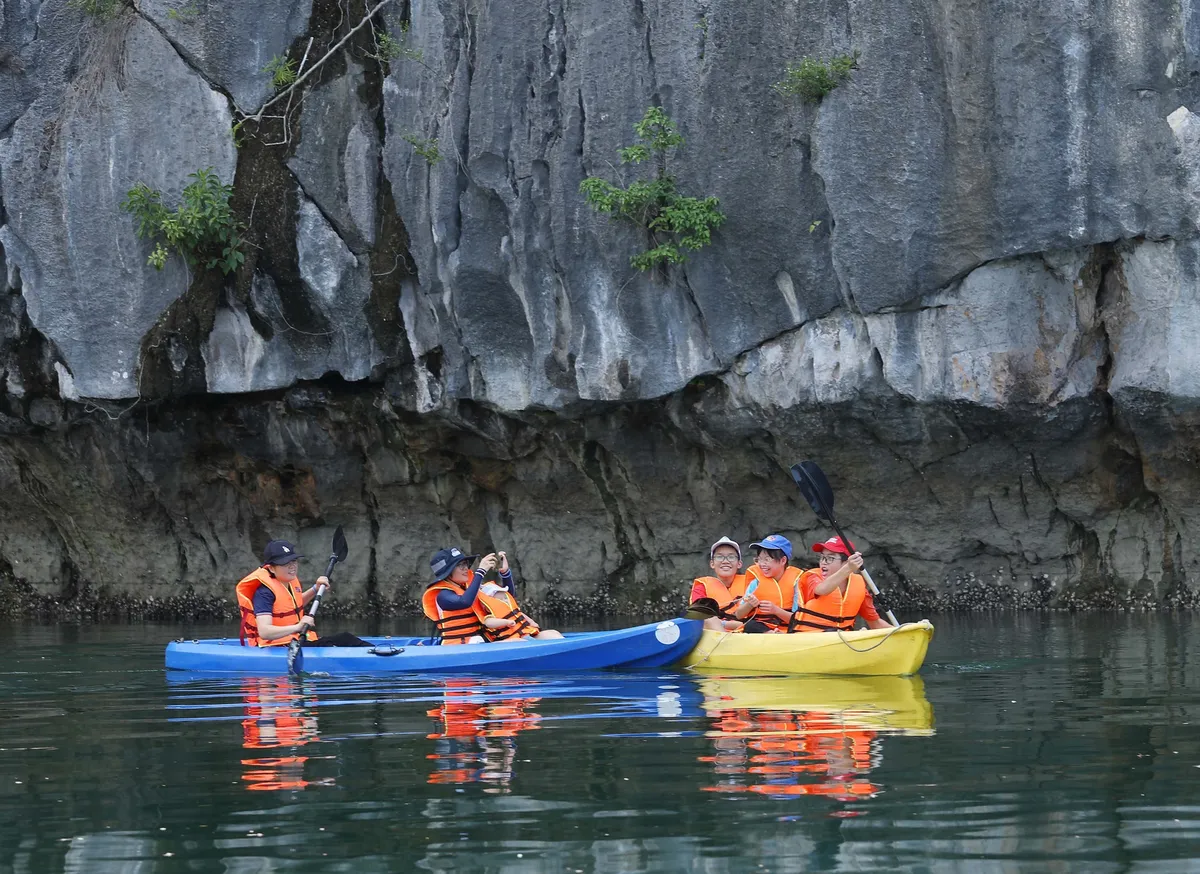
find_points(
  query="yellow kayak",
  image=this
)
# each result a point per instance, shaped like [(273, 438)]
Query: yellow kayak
[(869, 652), (893, 705)]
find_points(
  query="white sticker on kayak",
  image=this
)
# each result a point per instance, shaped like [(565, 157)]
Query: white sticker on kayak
[(667, 633)]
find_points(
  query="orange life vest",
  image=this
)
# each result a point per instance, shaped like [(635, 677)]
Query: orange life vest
[(832, 610), (782, 592), (715, 589), (453, 626), (287, 610), (496, 601)]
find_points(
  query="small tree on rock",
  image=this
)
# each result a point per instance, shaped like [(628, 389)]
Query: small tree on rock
[(673, 221)]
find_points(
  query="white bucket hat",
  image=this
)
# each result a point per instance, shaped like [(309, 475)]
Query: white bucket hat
[(724, 541)]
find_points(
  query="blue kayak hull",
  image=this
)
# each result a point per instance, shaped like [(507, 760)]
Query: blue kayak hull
[(645, 646)]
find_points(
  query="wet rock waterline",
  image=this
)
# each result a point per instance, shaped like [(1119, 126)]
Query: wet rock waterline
[(157, 513)]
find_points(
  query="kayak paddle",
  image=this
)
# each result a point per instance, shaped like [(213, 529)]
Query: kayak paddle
[(340, 550), (816, 490)]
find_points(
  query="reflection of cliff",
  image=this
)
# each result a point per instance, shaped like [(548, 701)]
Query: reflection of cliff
[(477, 741), (279, 720), (808, 736)]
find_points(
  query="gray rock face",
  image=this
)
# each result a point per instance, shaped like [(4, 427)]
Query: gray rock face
[(933, 166), (1011, 332), (919, 169), (966, 282), (337, 161), (230, 42), (336, 291), (83, 270), (40, 41)]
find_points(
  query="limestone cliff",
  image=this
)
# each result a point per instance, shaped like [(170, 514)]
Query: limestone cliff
[(966, 281)]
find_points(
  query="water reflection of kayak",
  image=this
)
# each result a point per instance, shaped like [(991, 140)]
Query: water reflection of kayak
[(869, 652), (888, 704), (788, 736)]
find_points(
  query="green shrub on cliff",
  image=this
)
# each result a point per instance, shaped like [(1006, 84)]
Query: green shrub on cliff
[(671, 220), (281, 70), (425, 147), (813, 78), (97, 8), (202, 228)]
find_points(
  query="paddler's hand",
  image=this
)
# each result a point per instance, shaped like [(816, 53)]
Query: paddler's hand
[(503, 562), (322, 581), (856, 561), (746, 607), (777, 612), (305, 623), (487, 564)]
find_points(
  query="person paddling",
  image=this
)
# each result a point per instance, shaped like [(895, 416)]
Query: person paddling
[(272, 603), (834, 594), (499, 614)]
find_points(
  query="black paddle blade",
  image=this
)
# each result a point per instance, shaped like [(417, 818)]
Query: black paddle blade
[(341, 549), (815, 488)]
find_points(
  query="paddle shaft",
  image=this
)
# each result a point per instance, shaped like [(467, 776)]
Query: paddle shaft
[(828, 513), (316, 601), (865, 574), (340, 551)]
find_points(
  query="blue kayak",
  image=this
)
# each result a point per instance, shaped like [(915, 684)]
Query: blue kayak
[(644, 646)]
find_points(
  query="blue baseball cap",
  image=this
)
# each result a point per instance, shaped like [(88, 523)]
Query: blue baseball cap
[(775, 541), (444, 562)]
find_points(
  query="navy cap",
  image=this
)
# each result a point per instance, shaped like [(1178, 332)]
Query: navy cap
[(776, 541), (444, 562), (280, 552)]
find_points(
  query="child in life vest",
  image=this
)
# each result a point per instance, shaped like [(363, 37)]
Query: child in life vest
[(499, 614)]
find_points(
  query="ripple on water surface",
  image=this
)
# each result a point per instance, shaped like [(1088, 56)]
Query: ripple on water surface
[(1028, 744)]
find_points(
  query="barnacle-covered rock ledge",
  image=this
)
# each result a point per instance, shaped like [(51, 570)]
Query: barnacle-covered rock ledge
[(966, 281)]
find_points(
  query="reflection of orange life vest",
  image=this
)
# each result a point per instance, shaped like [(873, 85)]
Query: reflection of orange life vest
[(287, 610), (782, 592), (497, 602), (832, 610), (274, 716), (275, 719), (715, 589), (454, 626)]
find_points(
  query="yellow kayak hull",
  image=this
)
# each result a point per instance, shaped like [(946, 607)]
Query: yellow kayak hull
[(869, 652)]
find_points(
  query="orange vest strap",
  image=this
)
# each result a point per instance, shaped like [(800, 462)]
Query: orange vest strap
[(287, 609), (504, 606), (783, 592), (453, 626), (832, 610), (715, 589)]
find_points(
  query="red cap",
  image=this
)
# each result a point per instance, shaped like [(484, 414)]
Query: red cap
[(833, 544)]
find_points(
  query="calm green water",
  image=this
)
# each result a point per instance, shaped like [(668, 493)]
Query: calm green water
[(1027, 744)]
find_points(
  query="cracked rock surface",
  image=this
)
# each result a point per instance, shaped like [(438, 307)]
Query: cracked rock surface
[(966, 282)]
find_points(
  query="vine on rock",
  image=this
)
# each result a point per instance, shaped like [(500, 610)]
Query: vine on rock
[(672, 220)]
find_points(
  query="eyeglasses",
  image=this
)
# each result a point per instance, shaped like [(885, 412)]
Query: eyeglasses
[(725, 559), (831, 556)]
